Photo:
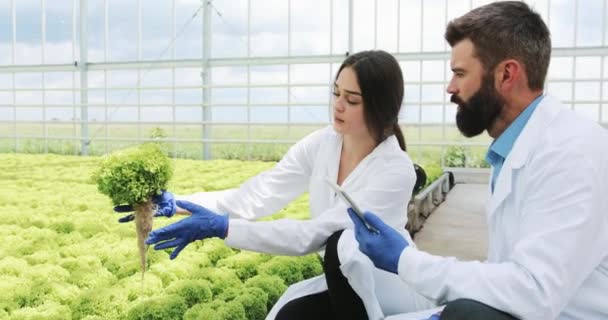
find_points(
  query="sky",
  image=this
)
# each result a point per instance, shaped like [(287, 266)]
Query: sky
[(404, 26)]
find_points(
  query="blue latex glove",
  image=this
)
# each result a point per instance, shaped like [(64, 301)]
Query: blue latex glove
[(436, 316), (202, 224), (165, 206), (383, 248)]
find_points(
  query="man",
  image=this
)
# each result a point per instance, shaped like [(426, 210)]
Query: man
[(548, 208)]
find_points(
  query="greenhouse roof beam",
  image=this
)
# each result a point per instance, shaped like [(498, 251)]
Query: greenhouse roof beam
[(221, 62)]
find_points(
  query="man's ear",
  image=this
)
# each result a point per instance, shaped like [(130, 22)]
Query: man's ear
[(507, 75)]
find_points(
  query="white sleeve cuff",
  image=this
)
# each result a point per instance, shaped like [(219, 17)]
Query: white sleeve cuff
[(238, 234), (408, 261)]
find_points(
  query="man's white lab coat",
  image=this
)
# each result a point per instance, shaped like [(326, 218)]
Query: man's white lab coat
[(548, 228), (381, 183)]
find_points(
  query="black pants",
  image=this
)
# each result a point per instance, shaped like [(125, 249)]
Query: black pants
[(340, 300), (465, 309)]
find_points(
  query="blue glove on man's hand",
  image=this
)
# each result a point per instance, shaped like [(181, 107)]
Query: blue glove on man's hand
[(202, 224), (383, 248), (165, 206)]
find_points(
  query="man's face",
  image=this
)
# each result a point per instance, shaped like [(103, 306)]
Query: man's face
[(472, 89), (480, 111)]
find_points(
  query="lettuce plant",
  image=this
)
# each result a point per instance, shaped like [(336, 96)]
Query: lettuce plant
[(132, 176)]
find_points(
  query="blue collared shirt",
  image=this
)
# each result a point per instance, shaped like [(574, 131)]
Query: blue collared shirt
[(501, 147)]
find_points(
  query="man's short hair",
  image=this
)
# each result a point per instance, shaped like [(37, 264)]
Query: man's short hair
[(506, 30)]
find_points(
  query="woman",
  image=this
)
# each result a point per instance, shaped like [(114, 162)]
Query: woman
[(364, 153)]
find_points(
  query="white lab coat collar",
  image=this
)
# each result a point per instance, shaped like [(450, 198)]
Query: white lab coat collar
[(544, 114), (385, 146)]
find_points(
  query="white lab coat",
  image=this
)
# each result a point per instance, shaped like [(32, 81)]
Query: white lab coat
[(548, 228), (381, 183)]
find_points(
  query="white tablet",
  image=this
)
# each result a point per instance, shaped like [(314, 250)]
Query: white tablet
[(349, 201)]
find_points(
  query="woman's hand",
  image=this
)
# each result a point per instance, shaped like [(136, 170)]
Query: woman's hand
[(202, 224)]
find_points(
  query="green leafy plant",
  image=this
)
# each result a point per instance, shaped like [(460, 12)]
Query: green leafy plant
[(158, 133), (463, 157), (158, 308), (193, 291), (221, 279), (217, 310), (253, 300), (433, 172), (244, 263), (272, 285), (456, 157), (216, 250), (133, 176), (287, 268)]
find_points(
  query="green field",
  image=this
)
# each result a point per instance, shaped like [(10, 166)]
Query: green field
[(64, 256), (429, 144)]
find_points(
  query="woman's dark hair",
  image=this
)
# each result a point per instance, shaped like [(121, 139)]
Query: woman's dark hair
[(381, 82)]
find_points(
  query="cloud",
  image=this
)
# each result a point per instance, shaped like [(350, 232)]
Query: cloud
[(269, 24)]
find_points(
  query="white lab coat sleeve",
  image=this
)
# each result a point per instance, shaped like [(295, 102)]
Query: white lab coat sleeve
[(282, 237), (269, 191), (207, 199), (562, 232), (386, 193)]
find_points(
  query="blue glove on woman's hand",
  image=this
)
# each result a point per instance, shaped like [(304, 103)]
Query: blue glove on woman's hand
[(202, 224), (383, 248), (165, 206)]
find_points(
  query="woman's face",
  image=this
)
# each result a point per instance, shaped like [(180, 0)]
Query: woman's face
[(348, 105)]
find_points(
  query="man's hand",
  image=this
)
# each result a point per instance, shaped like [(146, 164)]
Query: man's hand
[(202, 224), (383, 248), (165, 206)]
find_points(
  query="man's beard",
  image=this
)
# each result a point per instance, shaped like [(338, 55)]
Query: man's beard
[(481, 111)]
